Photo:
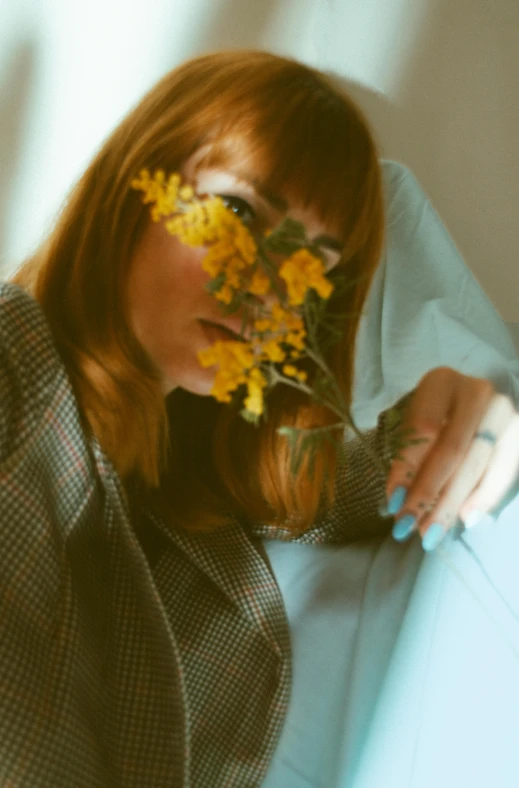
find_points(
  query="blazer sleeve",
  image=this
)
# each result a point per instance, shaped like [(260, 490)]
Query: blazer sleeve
[(359, 487), (76, 594)]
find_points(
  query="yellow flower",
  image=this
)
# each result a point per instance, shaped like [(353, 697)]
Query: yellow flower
[(233, 359), (246, 245), (262, 325), (209, 357), (236, 263), (255, 385), (294, 322), (186, 193), (225, 294), (231, 354), (296, 339), (272, 351), (254, 402), (219, 217), (212, 267), (293, 372), (216, 258), (288, 369), (155, 191), (224, 385), (278, 313), (233, 279), (301, 271), (260, 283), (186, 233)]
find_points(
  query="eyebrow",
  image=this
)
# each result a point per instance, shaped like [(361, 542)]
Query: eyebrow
[(274, 199), (280, 204)]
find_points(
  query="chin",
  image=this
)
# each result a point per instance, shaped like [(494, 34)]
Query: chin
[(199, 382)]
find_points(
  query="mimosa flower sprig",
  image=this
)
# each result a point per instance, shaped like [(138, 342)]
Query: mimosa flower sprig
[(296, 327)]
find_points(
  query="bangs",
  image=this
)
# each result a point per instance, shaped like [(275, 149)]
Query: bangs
[(308, 147)]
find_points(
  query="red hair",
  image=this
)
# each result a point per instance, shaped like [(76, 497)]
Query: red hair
[(285, 126)]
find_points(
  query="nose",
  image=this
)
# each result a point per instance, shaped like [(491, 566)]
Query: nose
[(258, 304), (278, 289), (261, 302), (269, 299)]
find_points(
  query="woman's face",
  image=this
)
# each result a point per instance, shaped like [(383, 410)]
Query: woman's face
[(172, 314)]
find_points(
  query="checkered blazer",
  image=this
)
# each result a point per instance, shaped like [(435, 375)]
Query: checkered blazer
[(131, 656)]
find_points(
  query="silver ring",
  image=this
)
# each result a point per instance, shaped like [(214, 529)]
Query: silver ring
[(486, 435)]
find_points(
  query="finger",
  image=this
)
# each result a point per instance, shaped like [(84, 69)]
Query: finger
[(500, 478), (445, 413), (450, 497)]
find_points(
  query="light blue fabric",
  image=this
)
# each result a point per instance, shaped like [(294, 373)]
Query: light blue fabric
[(400, 680), (425, 309)]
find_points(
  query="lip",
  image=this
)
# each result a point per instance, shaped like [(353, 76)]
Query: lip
[(217, 331)]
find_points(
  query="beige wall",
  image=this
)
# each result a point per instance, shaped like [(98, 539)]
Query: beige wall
[(438, 78)]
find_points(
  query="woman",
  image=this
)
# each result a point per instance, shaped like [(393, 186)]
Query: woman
[(143, 636)]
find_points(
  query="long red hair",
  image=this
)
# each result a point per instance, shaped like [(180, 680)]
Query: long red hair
[(286, 126)]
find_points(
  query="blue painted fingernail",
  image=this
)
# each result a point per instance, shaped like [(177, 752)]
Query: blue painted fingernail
[(397, 500), (433, 536), (404, 527)]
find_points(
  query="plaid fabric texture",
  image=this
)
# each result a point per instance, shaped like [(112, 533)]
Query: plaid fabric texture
[(131, 656)]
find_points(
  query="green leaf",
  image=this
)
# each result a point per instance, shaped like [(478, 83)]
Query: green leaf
[(252, 418), (234, 305), (289, 432), (215, 284), (280, 245), (289, 228)]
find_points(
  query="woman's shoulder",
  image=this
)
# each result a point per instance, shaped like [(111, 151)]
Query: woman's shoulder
[(24, 329), (29, 366)]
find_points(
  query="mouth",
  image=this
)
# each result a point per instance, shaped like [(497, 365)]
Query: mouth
[(215, 332)]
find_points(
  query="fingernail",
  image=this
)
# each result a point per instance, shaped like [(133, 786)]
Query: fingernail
[(433, 536), (404, 527), (397, 500)]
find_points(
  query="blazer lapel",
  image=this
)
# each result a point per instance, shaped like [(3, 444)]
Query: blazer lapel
[(145, 732), (228, 557)]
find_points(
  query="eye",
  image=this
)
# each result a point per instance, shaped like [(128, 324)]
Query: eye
[(240, 207)]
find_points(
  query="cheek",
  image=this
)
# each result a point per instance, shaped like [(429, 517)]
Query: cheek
[(166, 284), (176, 274), (187, 279)]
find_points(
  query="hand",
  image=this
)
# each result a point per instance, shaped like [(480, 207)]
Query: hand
[(454, 473)]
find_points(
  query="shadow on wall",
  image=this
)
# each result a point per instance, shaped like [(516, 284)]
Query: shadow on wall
[(387, 122), (232, 24), (514, 330), (454, 121), (17, 80), (15, 98), (383, 115)]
